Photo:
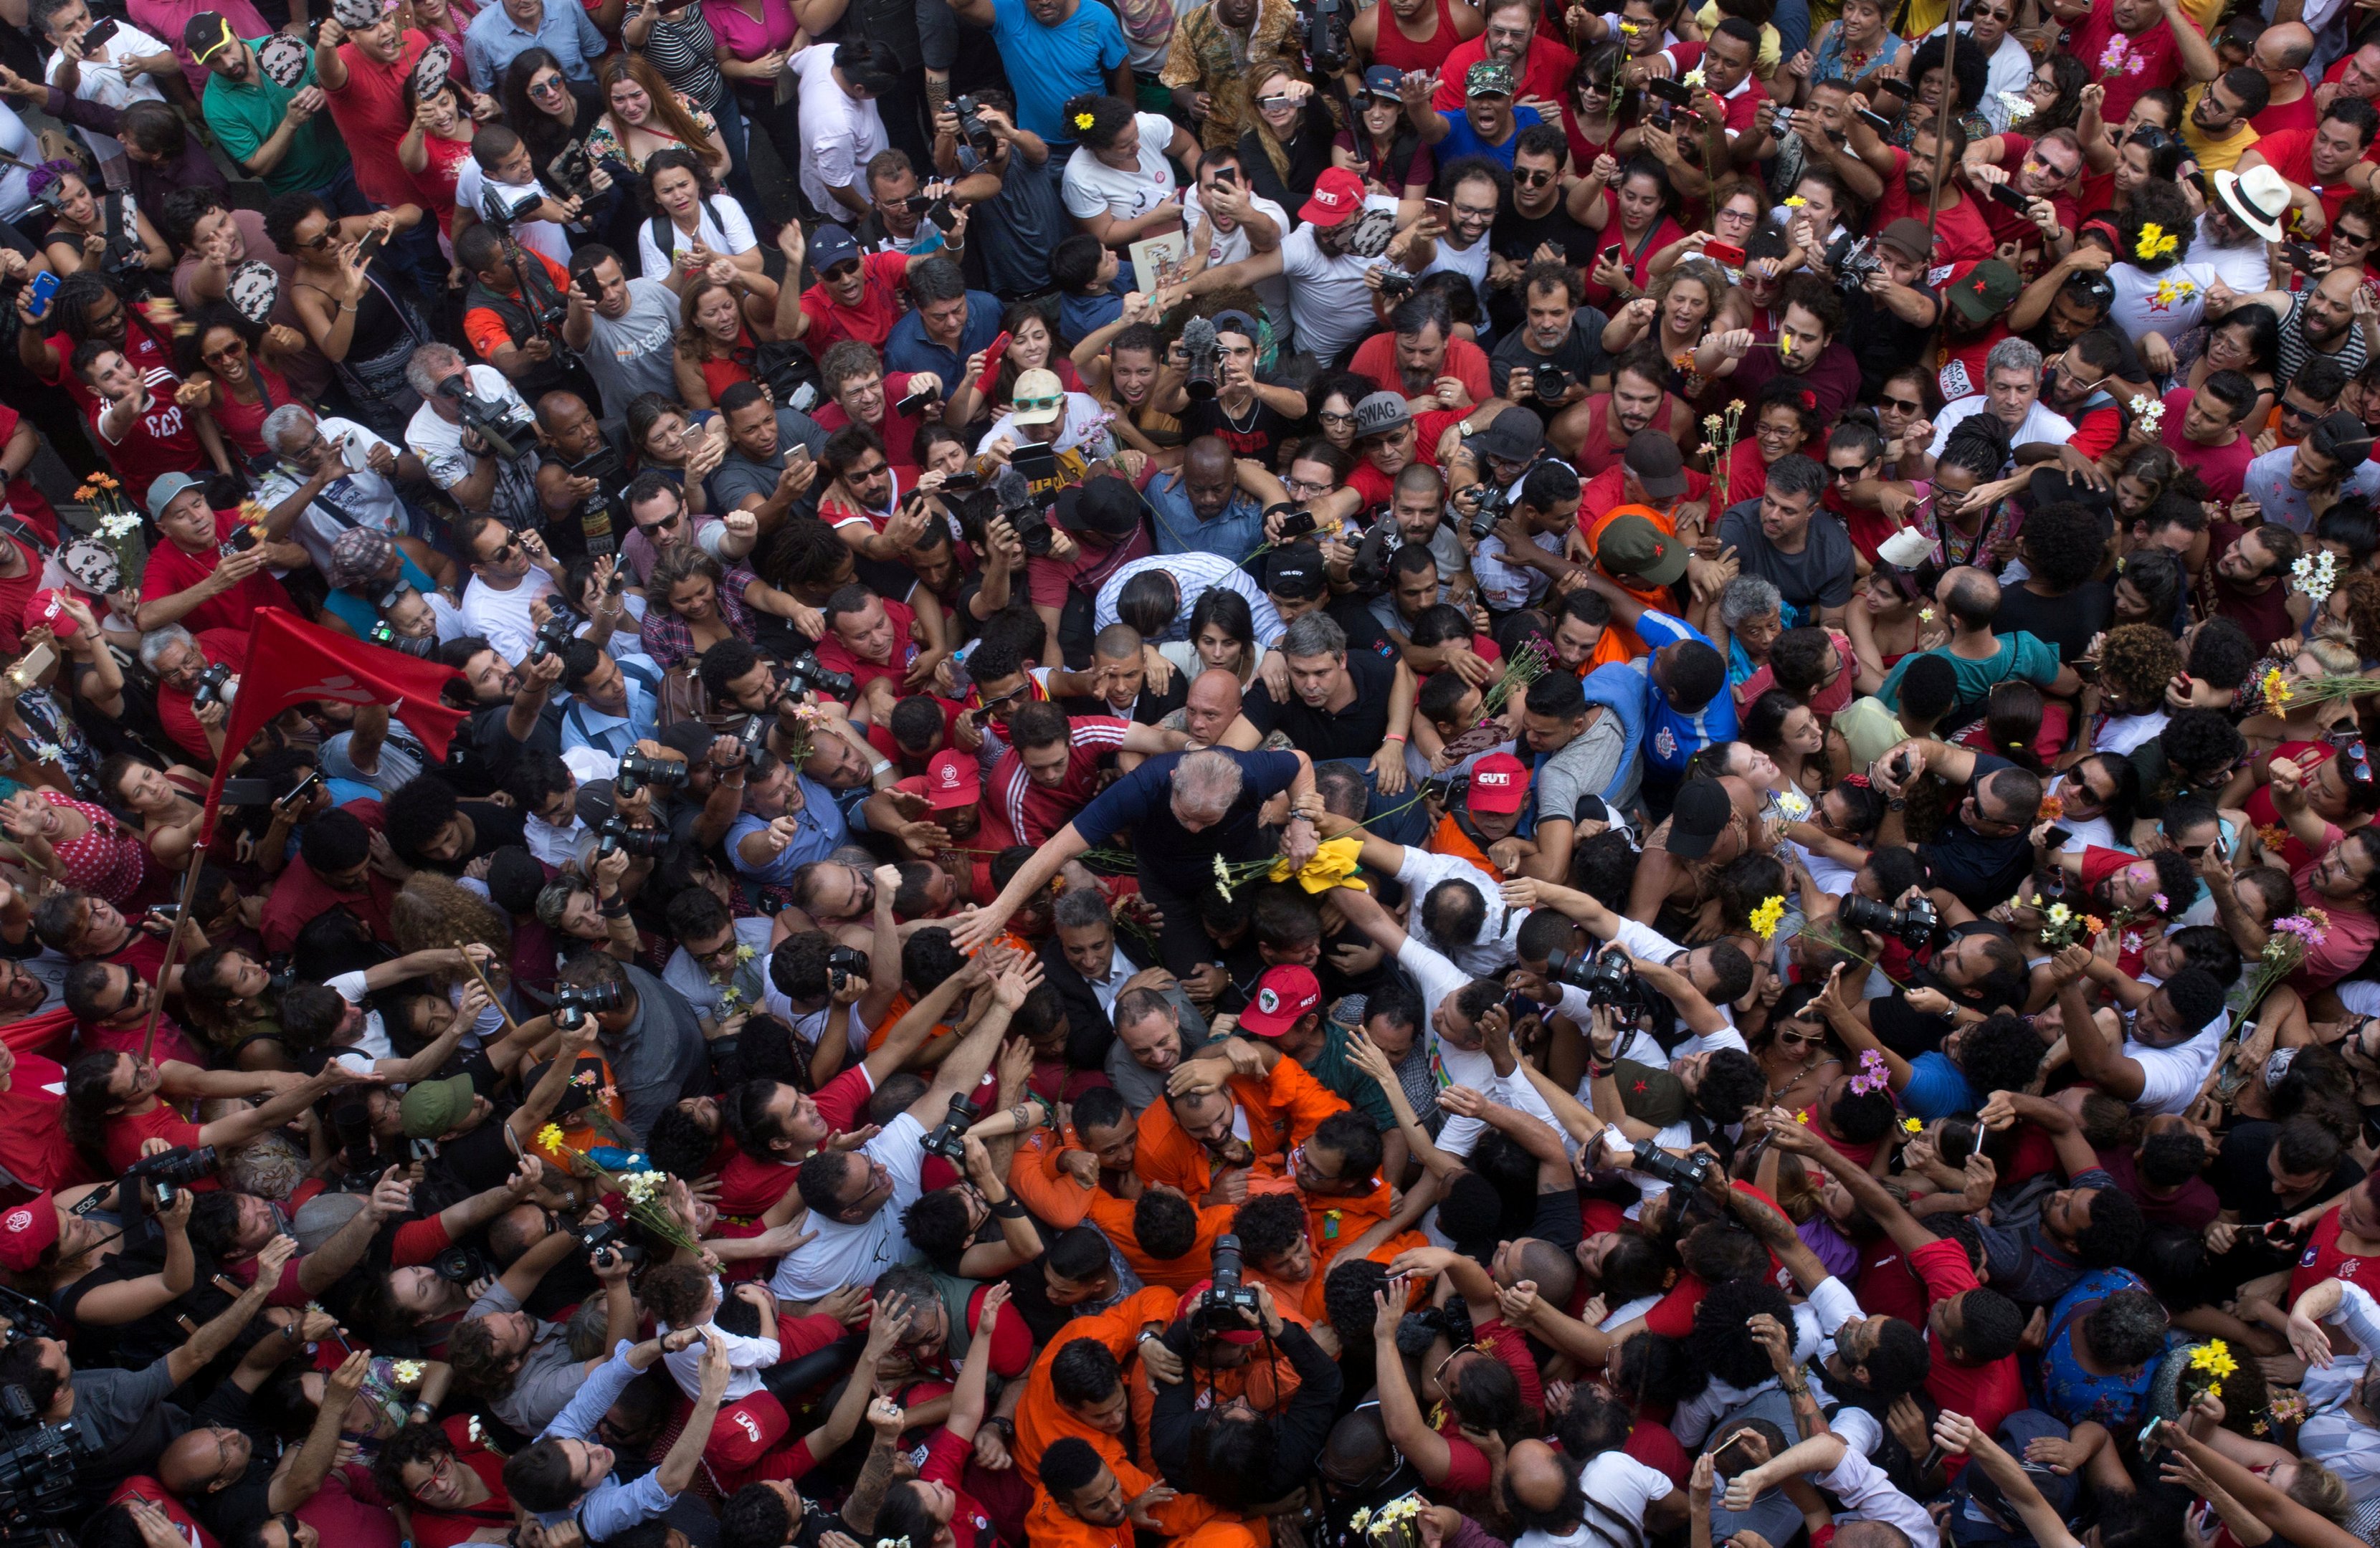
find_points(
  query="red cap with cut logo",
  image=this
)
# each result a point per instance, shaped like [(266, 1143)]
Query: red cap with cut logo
[(952, 780), (1338, 194), (1283, 995), (1498, 783)]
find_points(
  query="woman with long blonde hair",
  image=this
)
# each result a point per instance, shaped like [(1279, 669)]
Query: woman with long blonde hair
[(642, 116)]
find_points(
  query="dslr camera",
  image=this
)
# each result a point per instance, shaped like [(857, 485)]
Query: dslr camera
[(214, 686), (639, 769), (842, 964), (1026, 516), (1495, 504), (972, 129), (1604, 977), (605, 1242), (1231, 1304), (1679, 1171), (572, 1001), (1852, 260), (640, 843), (949, 1138), (1550, 382), (461, 1265), (555, 635), (169, 1169), (1912, 924), (803, 674), (484, 417), (1395, 281)]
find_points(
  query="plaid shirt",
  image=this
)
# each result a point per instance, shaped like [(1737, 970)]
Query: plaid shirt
[(1207, 56), (669, 640)]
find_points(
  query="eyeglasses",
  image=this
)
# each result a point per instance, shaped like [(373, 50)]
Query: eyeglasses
[(1303, 487), (726, 947), (549, 87), (1536, 177), (842, 270), (1326, 416), (2340, 234), (500, 555), (666, 524), (233, 351)]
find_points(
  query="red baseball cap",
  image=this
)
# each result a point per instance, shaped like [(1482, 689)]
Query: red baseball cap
[(952, 780), (1500, 782), (1338, 194), (42, 608), (26, 1232), (1283, 995)]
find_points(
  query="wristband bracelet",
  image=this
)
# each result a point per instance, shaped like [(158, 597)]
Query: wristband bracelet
[(1009, 1209), (616, 909)]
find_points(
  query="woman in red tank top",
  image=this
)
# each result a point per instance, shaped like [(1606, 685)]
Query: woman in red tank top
[(1391, 46), (2345, 1245)]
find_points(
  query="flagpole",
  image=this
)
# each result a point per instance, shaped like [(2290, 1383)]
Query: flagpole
[(1942, 125), (495, 999), (173, 949)]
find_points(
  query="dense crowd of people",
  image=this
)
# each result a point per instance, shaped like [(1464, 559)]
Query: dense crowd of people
[(1259, 775)]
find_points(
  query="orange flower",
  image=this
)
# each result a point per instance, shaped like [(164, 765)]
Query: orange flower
[(2052, 808)]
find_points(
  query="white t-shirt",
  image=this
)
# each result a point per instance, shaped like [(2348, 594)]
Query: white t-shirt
[(2041, 424), (363, 499), (472, 181), (1230, 247), (1498, 946), (2170, 303), (856, 1254), (1091, 186), (720, 223), (839, 136), (438, 442), (2245, 268), (1623, 1485), (371, 1044), (102, 81), (2124, 734), (1327, 299), (1084, 427), (2172, 1076), (1437, 979), (502, 616)]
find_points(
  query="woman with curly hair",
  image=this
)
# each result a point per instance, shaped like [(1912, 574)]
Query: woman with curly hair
[(1119, 186), (1964, 81), (2062, 547), (2106, 1336), (2352, 616), (1683, 304), (2136, 663), (2056, 94), (703, 228), (2158, 297), (1973, 455), (692, 603), (230, 997)]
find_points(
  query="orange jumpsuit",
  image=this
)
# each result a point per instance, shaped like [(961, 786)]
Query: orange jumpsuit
[(1185, 1518)]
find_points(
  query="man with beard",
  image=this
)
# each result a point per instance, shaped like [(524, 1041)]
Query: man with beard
[(1533, 227), (363, 76), (864, 396), (1809, 345), (2334, 316), (1420, 359), (275, 133), (1551, 355), (1592, 434), (1961, 233), (1540, 67), (1329, 301), (2324, 162), (2330, 465), (2246, 583), (2215, 127)]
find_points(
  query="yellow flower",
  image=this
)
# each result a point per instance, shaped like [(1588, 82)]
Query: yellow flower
[(2213, 1356), (1083, 120), (1802, 1117), (2275, 687), (2156, 241), (1794, 202), (1912, 1125), (549, 1136), (1630, 29), (1765, 918)]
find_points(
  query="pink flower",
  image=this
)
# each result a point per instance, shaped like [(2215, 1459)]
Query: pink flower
[(2158, 899)]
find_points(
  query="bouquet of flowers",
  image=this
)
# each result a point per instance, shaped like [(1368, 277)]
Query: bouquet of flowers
[(1768, 916), (2147, 415), (119, 524), (2291, 936), (2061, 927), (1231, 875), (2320, 690), (1525, 667), (1395, 1525), (2314, 575), (645, 1189), (1722, 433), (2018, 105), (2213, 1361)]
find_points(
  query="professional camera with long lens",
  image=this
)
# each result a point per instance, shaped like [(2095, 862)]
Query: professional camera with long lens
[(803, 674), (484, 417), (1678, 1171), (572, 1002), (1912, 924), (1026, 516), (1231, 1303), (616, 836), (972, 129), (461, 1265), (1852, 259), (639, 769), (949, 1138), (1605, 977), (1495, 504), (41, 1473), (1202, 355), (214, 686), (170, 1169), (1321, 27)]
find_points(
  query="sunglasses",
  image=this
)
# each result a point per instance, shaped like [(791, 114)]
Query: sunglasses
[(1034, 405), (1534, 178), (1805, 1039), (323, 242), (666, 524), (1848, 474), (842, 270), (230, 351), (551, 86), (500, 555), (2358, 762), (1903, 405)]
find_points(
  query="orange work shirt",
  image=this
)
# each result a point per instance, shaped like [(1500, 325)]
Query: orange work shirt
[(1041, 1419), (1046, 1526), (1619, 642), (1281, 1110), (1114, 1216)]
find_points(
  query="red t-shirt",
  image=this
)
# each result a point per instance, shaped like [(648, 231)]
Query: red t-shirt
[(837, 655), (438, 1528), (1986, 1394), (2290, 151), (1548, 75), (161, 438), (1376, 361), (881, 738), (172, 570), (2006, 225), (1962, 235), (1377, 488), (898, 431), (2125, 65), (749, 1186), (2322, 1260), (222, 646), (144, 345), (370, 113), (33, 1143), (2296, 118), (121, 1140), (1033, 812), (946, 1463), (2223, 469), (300, 895), (1052, 580), (487, 330), (871, 320)]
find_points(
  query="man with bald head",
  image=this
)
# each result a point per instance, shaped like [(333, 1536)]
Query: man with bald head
[(2280, 58), (1542, 1494), (1200, 507), (2319, 320), (1210, 714), (1980, 658)]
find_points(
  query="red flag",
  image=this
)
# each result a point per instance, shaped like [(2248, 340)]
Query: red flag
[(290, 661)]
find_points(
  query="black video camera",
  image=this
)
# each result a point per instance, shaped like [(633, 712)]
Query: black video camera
[(1912, 924), (603, 1242), (949, 1138), (41, 1470), (572, 1001), (1321, 27), (1026, 516), (1395, 281), (214, 686), (1605, 977), (484, 417), (639, 769), (1852, 260), (641, 844)]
